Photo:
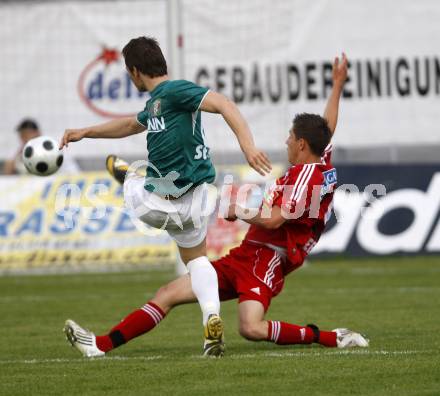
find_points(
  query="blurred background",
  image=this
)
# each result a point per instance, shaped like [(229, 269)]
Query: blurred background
[(61, 68)]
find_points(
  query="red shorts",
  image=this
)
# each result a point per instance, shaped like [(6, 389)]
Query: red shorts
[(250, 272)]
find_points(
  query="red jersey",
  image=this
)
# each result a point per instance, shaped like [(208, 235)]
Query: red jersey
[(305, 195)]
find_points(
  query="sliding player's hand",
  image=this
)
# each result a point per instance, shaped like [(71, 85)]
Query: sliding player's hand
[(340, 70), (258, 160), (72, 135)]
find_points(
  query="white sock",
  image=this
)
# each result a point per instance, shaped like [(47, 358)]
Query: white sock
[(204, 283)]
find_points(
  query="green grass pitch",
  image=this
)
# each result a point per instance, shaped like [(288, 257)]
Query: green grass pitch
[(396, 302)]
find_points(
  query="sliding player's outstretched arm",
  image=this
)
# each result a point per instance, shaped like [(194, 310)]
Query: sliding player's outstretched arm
[(218, 103), (339, 75), (114, 129)]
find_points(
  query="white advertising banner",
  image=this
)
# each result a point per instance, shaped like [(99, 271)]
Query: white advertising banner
[(274, 59), (61, 65)]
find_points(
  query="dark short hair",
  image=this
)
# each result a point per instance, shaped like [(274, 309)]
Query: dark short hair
[(144, 54), (27, 123), (314, 130)]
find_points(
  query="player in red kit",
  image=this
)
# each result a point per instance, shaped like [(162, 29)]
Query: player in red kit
[(282, 233)]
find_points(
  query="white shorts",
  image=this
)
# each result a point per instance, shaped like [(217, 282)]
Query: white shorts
[(185, 218)]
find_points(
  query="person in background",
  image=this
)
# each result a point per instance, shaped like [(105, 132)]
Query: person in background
[(28, 129)]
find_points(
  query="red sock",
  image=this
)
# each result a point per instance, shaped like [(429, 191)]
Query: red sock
[(328, 338), (282, 333), (137, 323)]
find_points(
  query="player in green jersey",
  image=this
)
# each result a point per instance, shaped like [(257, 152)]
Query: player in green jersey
[(178, 167)]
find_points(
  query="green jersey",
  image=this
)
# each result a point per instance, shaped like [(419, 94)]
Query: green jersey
[(175, 138)]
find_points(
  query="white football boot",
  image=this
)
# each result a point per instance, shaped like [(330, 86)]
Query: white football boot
[(82, 339), (347, 339)]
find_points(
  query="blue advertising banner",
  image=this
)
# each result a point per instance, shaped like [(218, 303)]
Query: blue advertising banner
[(384, 209)]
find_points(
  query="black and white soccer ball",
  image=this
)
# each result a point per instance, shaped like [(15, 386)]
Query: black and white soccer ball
[(41, 156)]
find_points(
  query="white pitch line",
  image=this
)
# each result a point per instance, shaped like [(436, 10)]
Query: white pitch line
[(345, 352), (319, 354), (326, 353), (232, 356), (81, 360)]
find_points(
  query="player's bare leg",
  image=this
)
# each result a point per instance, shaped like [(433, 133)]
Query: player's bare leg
[(204, 283), (254, 327), (174, 293), (138, 322)]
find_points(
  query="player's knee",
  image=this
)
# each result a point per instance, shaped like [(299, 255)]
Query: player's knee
[(252, 331), (164, 295)]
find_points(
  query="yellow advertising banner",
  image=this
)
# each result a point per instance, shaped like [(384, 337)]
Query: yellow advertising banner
[(68, 222)]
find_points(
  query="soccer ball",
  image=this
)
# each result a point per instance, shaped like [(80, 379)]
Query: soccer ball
[(41, 156)]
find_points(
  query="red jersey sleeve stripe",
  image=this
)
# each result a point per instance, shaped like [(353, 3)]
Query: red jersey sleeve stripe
[(299, 179), (300, 192), (304, 177)]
